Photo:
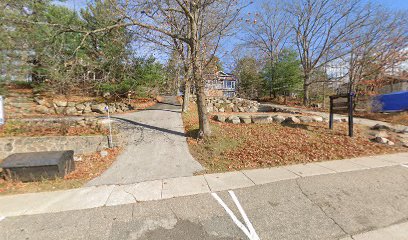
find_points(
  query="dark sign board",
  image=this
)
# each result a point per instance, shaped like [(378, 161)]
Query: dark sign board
[(342, 104)]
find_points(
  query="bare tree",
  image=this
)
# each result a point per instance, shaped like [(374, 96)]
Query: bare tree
[(201, 20), (378, 47), (268, 31), (321, 27)]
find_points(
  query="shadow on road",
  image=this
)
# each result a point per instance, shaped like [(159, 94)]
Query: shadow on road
[(166, 110), (151, 127)]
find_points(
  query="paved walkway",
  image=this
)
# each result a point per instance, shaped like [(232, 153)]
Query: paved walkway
[(158, 147), (363, 121), (111, 195), (364, 199)]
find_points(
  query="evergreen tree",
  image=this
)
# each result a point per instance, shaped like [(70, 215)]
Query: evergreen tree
[(250, 81), (285, 76)]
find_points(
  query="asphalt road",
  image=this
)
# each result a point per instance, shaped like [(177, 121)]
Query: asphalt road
[(321, 207)]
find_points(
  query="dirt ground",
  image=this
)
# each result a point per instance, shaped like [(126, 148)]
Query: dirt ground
[(244, 146)]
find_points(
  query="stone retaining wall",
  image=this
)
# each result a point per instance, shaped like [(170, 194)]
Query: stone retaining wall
[(220, 104), (267, 118), (46, 106), (80, 144)]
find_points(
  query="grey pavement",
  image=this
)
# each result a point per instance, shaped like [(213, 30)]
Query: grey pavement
[(113, 195), (158, 148), (363, 204)]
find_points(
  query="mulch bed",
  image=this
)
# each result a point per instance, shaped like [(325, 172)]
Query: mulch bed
[(89, 167)]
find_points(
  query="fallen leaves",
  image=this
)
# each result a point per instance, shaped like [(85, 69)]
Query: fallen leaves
[(234, 147), (91, 166), (32, 129)]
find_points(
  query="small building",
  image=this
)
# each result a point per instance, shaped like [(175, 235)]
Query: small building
[(221, 84)]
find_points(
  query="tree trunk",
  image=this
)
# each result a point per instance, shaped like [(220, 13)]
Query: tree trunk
[(186, 97), (197, 77), (324, 96), (306, 90), (204, 125), (306, 95)]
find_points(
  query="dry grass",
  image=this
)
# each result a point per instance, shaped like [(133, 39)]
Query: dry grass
[(243, 146), (395, 118), (14, 128), (91, 166)]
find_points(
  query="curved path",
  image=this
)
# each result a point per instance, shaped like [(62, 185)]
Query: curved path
[(157, 149)]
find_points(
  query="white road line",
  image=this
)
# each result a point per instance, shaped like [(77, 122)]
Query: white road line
[(404, 165), (251, 234), (232, 215), (246, 219)]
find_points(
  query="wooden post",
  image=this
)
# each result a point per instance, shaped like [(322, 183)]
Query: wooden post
[(350, 117), (331, 113)]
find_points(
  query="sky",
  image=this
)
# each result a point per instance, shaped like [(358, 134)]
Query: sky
[(394, 4), (401, 5)]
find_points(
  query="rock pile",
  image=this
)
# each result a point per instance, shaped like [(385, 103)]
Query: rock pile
[(231, 105), (265, 119), (75, 108)]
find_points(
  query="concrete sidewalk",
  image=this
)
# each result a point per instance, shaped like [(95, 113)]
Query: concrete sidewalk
[(364, 204), (111, 195), (394, 232)]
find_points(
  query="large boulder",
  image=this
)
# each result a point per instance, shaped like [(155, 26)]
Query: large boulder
[(278, 118), (317, 119), (262, 119), (210, 108), (80, 107), (60, 103), (87, 108), (233, 119), (98, 108), (43, 109), (306, 119), (71, 111), (60, 110), (220, 118), (383, 140), (245, 119), (71, 104), (252, 109), (381, 134), (41, 101), (380, 127), (404, 130), (292, 120)]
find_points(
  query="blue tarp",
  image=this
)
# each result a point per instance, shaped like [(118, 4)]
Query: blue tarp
[(397, 101)]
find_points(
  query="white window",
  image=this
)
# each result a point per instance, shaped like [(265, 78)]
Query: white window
[(229, 84)]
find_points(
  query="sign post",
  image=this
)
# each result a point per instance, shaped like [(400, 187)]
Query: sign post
[(342, 104), (110, 128), (2, 120)]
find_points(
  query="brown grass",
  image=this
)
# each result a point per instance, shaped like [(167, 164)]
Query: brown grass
[(243, 146)]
